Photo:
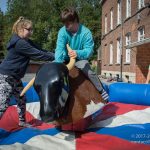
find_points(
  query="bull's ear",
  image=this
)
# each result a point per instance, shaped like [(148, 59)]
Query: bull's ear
[(71, 63)]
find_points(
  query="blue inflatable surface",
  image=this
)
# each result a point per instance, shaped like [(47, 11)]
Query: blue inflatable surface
[(118, 92), (126, 125), (130, 93)]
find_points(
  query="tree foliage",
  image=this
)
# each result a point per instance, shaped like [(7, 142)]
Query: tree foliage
[(45, 15), (1, 23), (1, 33)]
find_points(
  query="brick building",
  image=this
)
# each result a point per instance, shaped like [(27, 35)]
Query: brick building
[(125, 42)]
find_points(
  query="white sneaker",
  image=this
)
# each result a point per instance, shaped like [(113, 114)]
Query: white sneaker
[(105, 96), (24, 124)]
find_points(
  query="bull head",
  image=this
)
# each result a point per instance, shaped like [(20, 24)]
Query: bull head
[(51, 88)]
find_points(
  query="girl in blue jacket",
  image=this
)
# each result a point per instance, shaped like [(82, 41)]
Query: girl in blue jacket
[(20, 51)]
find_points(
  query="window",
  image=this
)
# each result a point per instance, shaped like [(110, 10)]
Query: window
[(111, 19), (105, 54), (128, 8), (141, 4), (118, 50), (128, 41), (141, 34), (111, 54), (105, 24), (119, 12)]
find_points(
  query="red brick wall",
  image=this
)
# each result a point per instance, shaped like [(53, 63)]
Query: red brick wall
[(129, 25), (143, 61)]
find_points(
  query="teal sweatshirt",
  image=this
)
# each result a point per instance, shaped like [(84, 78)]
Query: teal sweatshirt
[(82, 42)]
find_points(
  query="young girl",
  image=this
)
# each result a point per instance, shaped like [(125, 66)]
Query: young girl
[(13, 67)]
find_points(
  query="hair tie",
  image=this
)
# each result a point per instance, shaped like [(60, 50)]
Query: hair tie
[(21, 18)]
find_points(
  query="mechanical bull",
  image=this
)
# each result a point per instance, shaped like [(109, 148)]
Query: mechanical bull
[(66, 95)]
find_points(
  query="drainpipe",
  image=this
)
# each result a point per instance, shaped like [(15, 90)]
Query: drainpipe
[(121, 57)]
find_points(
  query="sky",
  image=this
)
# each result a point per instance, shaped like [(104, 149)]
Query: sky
[(3, 5)]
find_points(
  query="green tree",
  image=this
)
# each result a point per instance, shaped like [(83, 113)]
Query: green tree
[(45, 15), (1, 24), (1, 34)]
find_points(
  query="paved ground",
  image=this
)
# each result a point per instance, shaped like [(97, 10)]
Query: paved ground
[(28, 77)]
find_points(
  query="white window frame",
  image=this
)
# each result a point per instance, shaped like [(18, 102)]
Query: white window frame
[(106, 24), (111, 53), (128, 8), (118, 50), (141, 4), (128, 50), (119, 12), (111, 19), (141, 34)]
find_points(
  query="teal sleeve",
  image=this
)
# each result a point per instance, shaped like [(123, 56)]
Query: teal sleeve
[(60, 51), (88, 45)]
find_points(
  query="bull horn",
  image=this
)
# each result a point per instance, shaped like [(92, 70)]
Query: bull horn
[(72, 60), (27, 87), (69, 66)]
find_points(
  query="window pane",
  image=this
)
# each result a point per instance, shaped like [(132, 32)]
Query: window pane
[(111, 19), (128, 8), (141, 34), (118, 50), (141, 4), (128, 41), (111, 54), (105, 24), (119, 13)]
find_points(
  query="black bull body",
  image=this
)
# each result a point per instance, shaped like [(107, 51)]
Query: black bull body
[(64, 95)]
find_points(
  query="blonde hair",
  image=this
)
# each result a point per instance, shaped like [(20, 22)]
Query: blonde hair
[(20, 24)]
